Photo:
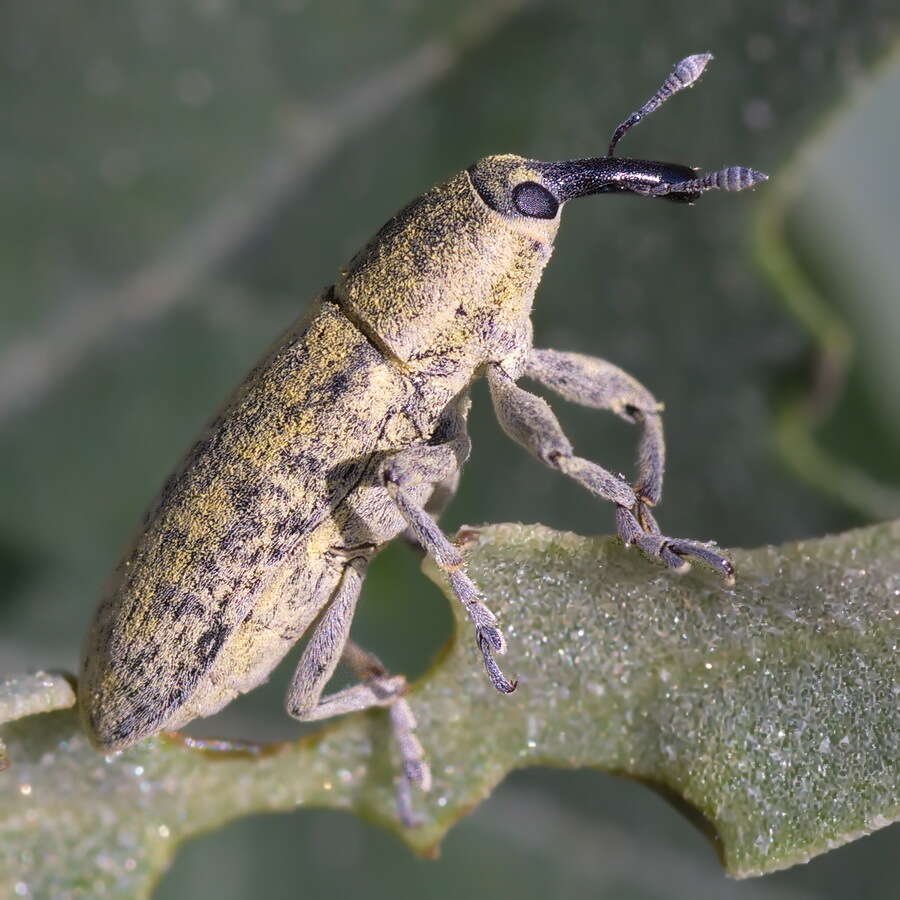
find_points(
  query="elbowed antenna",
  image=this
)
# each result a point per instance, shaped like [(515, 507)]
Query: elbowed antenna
[(580, 177), (682, 76)]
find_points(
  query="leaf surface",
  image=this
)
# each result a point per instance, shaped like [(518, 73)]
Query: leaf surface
[(769, 708)]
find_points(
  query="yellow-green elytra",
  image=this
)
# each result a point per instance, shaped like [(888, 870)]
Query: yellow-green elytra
[(352, 430)]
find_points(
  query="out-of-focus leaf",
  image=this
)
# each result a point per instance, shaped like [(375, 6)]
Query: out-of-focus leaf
[(770, 708), (30, 694), (859, 332)]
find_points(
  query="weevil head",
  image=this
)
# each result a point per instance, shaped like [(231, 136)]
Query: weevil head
[(448, 283), (519, 191)]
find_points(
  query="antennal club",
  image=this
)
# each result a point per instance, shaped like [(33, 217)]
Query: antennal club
[(682, 76), (734, 178)]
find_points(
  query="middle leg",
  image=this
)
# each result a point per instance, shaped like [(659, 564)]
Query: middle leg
[(402, 473)]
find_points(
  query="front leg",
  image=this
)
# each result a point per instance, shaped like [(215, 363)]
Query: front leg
[(598, 384), (529, 420)]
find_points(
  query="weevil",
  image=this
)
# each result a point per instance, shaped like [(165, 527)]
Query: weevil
[(352, 431)]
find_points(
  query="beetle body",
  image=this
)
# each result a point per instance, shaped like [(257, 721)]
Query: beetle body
[(245, 544), (349, 432)]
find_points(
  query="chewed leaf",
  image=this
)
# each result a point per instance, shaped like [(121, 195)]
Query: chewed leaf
[(769, 707)]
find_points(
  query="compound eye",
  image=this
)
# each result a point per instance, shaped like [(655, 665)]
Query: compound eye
[(531, 199)]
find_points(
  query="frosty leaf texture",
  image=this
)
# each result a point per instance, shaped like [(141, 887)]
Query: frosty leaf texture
[(769, 707)]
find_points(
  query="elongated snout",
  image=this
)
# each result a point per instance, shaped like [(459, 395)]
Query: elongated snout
[(573, 178)]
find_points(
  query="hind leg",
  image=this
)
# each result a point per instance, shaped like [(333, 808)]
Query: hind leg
[(330, 645)]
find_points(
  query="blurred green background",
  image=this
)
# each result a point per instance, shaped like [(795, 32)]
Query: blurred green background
[(178, 179)]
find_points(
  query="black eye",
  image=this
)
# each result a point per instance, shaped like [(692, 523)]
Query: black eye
[(533, 200)]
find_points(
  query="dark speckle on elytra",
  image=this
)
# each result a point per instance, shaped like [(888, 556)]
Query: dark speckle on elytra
[(211, 640), (275, 554), (336, 385), (190, 605), (165, 592)]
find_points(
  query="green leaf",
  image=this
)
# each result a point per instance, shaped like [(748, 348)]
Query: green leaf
[(769, 708), (30, 694)]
